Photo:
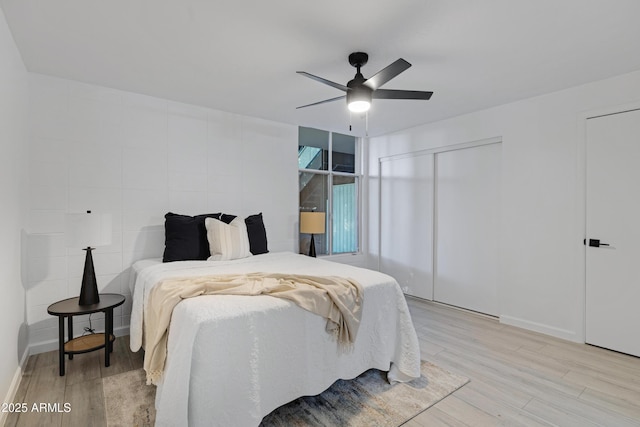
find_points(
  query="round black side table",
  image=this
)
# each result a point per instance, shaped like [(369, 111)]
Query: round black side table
[(85, 343)]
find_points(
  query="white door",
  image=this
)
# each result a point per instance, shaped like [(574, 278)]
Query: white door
[(467, 227), (613, 218), (406, 223)]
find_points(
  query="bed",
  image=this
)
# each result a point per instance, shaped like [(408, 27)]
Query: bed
[(234, 359)]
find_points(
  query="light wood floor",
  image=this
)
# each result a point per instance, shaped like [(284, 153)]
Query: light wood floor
[(517, 378), (81, 386), (521, 378)]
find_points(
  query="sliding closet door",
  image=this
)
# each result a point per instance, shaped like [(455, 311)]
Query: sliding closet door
[(467, 209), (406, 222)]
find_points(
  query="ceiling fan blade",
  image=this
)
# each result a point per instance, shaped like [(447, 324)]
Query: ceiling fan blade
[(322, 102), (401, 94), (386, 74), (325, 81)]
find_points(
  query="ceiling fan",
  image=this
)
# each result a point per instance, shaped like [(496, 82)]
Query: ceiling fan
[(360, 91)]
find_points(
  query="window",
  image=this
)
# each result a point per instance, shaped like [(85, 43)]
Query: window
[(329, 182)]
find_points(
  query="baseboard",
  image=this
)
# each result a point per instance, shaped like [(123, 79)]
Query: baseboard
[(514, 321), (453, 307), (15, 384), (44, 346), (542, 328)]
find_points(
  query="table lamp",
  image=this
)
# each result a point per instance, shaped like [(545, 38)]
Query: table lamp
[(312, 223), (88, 230)]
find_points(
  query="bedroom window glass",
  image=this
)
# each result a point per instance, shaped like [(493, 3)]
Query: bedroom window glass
[(314, 196), (329, 182), (313, 149)]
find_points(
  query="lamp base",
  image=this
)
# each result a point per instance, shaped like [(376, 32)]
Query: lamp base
[(312, 247), (89, 290)]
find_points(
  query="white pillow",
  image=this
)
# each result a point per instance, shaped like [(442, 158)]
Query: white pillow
[(227, 241)]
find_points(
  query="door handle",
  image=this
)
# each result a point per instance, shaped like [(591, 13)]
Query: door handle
[(596, 243)]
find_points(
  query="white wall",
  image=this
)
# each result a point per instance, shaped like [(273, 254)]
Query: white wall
[(541, 280), (139, 157), (13, 167)]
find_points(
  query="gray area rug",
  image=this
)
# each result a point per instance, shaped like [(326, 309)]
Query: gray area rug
[(368, 400), (128, 400)]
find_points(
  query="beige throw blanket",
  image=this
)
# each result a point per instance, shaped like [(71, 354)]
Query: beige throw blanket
[(337, 299)]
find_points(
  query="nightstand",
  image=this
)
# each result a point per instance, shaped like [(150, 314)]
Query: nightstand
[(85, 343)]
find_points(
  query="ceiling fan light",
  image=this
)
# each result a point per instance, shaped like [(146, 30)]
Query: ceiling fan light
[(359, 106), (358, 98)]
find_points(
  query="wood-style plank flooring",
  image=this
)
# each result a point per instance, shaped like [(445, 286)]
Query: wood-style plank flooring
[(521, 378), (81, 387), (518, 378)]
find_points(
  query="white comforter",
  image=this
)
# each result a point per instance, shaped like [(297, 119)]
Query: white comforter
[(234, 359)]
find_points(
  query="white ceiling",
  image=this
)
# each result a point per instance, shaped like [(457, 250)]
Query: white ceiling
[(241, 56)]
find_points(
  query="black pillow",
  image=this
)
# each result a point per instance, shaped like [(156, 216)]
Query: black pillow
[(226, 218), (186, 237), (257, 234)]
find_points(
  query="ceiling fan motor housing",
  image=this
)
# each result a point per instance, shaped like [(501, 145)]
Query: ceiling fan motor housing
[(358, 92)]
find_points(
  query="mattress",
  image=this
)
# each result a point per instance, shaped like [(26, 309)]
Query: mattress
[(234, 359)]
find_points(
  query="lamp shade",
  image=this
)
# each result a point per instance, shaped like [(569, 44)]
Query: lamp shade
[(83, 230), (312, 222)]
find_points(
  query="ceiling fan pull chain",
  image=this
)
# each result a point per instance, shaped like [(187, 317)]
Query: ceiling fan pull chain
[(349, 120), (366, 124)]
